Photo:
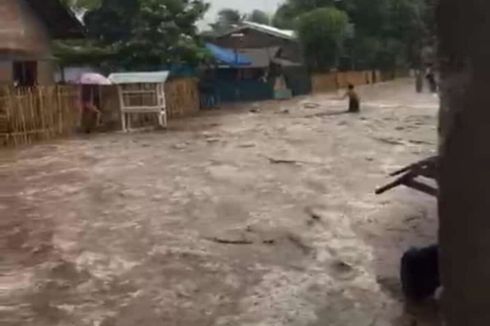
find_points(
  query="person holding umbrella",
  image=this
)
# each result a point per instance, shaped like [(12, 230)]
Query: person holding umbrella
[(90, 98)]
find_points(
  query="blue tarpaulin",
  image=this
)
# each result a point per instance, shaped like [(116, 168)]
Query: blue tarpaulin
[(228, 57)]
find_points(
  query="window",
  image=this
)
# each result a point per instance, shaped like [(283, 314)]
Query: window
[(25, 73)]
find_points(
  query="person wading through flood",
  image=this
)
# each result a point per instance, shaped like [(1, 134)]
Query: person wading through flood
[(354, 100)]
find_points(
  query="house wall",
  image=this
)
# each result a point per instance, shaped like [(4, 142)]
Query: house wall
[(6, 71), (34, 31), (45, 72), (22, 31), (23, 37)]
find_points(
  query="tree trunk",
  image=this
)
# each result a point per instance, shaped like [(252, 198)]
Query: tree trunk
[(464, 204)]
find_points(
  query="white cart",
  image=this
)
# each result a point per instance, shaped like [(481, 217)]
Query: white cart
[(141, 92)]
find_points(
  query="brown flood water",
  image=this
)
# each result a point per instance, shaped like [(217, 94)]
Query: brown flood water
[(200, 225)]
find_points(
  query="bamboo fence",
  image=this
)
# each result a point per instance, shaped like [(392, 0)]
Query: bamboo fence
[(182, 99), (338, 80), (332, 81), (36, 114)]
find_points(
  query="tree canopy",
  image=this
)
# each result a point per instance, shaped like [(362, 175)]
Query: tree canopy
[(260, 17), (146, 34), (230, 18), (359, 34), (79, 6), (322, 32), (383, 33), (226, 20)]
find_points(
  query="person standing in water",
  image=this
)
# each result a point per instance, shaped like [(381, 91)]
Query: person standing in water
[(431, 79), (354, 100), (89, 109)]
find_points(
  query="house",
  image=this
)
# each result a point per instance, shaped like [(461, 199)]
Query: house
[(251, 35), (26, 30), (272, 53)]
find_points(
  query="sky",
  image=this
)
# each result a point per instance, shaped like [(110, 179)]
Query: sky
[(245, 6)]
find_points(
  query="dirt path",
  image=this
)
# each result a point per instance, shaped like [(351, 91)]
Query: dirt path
[(230, 218)]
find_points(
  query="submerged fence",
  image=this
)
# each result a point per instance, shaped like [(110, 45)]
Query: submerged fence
[(45, 113), (34, 114), (181, 96), (337, 80)]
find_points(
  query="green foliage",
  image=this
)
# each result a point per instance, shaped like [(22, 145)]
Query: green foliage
[(286, 16), (227, 20), (81, 52), (113, 21), (384, 34), (398, 27), (410, 27), (323, 32), (371, 17), (81, 5), (302, 6), (230, 18), (259, 17), (145, 34)]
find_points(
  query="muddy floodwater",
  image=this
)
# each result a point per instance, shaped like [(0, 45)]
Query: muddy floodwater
[(260, 214)]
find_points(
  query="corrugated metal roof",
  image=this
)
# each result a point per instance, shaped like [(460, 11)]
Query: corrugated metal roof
[(283, 33), (280, 33), (156, 77)]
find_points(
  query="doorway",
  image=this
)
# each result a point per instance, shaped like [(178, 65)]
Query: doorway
[(25, 73)]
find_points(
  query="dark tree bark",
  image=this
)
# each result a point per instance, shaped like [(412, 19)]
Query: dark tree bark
[(464, 205)]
